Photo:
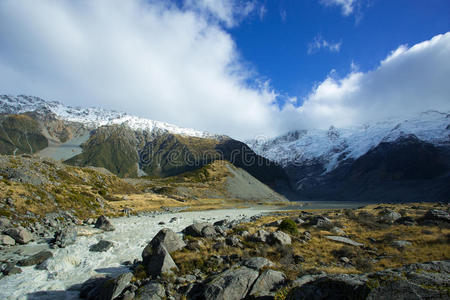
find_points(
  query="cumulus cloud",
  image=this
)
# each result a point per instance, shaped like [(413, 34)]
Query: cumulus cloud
[(320, 43), (151, 59), (409, 80), (347, 6)]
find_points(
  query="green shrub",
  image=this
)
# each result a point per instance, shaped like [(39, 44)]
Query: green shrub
[(288, 226)]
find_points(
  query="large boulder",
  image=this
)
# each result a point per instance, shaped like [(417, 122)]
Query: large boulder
[(260, 236), (65, 237), (4, 223), (203, 229), (320, 222), (158, 261), (105, 288), (389, 216), (257, 263), (151, 291), (104, 224), (232, 284), (168, 238), (437, 215), (36, 259), (101, 246), (267, 282), (344, 240), (280, 238), (6, 240), (19, 234)]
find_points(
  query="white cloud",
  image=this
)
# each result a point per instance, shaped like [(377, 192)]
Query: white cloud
[(146, 58), (408, 81), (347, 6), (319, 43)]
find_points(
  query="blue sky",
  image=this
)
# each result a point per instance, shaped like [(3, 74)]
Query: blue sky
[(277, 47), (244, 68)]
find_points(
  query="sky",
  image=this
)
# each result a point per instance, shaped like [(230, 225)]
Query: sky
[(245, 68)]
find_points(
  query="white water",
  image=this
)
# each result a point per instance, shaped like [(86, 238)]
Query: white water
[(75, 264)]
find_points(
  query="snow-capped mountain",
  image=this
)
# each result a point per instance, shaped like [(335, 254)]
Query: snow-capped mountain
[(90, 117), (335, 145)]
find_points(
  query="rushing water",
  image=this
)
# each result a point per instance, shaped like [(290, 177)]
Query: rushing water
[(75, 264)]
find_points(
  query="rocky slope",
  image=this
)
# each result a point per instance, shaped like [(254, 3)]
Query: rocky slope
[(393, 160)]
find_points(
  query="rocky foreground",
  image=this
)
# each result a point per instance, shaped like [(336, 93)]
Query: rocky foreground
[(380, 251)]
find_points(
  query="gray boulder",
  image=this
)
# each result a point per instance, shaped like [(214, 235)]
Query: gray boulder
[(279, 237), (6, 240), (104, 224), (4, 223), (437, 215), (65, 237), (209, 231), (389, 216), (195, 229), (233, 241), (169, 239), (36, 259), (343, 240), (400, 244), (158, 261), (267, 282), (257, 263), (19, 234), (109, 289), (151, 291), (320, 222), (232, 284), (260, 236), (101, 246)]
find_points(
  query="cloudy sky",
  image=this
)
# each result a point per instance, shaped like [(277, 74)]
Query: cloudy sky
[(239, 67)]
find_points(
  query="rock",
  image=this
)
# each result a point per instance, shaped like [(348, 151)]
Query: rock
[(209, 231), (220, 230), (279, 237), (196, 245), (320, 222), (6, 240), (408, 221), (91, 284), (344, 259), (162, 223), (219, 245), (260, 236), (306, 236), (19, 234), (273, 224), (232, 284), (174, 219), (267, 282), (344, 240), (400, 244), (158, 261), (233, 241), (389, 216), (337, 231), (257, 263), (4, 223), (128, 295), (101, 246), (244, 233), (168, 238), (195, 229), (104, 224), (36, 259), (109, 289), (9, 268), (151, 291), (65, 237), (223, 222), (437, 215), (299, 220)]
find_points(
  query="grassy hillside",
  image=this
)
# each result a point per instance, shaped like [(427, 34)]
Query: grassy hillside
[(20, 134)]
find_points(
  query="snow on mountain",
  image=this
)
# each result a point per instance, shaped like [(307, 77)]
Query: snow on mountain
[(91, 117), (335, 145)]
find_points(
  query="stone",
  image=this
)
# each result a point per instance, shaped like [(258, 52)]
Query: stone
[(65, 237), (4, 223), (158, 261), (195, 229), (389, 216), (400, 244), (10, 269), (223, 222), (344, 240), (260, 236), (168, 238), (344, 259), (109, 289), (19, 234), (257, 263), (151, 291), (267, 282), (101, 246), (408, 221), (279, 237), (232, 284), (209, 231), (437, 215), (6, 240), (104, 224), (320, 222), (273, 224), (299, 221), (337, 231), (36, 259), (233, 241)]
